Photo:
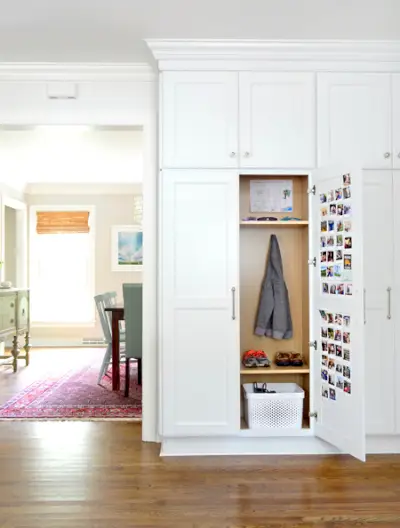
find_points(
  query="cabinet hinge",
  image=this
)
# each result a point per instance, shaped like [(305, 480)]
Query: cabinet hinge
[(312, 261), (313, 344), (311, 190), (313, 415)]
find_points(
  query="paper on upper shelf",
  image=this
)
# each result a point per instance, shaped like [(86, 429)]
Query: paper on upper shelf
[(271, 196)]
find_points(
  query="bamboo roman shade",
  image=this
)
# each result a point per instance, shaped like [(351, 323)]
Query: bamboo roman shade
[(62, 222)]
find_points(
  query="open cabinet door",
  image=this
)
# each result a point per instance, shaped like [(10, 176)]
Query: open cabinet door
[(337, 308)]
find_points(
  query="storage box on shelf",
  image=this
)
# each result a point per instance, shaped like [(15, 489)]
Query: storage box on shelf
[(281, 409)]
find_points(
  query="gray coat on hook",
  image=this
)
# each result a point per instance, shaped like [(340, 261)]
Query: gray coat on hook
[(273, 317)]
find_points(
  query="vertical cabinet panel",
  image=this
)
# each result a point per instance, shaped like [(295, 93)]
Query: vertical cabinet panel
[(396, 119), (200, 119), (396, 295), (378, 273), (199, 310), (354, 119), (277, 119)]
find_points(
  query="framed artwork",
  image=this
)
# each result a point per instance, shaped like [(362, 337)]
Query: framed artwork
[(127, 248)]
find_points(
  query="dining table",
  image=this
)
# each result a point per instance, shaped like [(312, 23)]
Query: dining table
[(117, 314)]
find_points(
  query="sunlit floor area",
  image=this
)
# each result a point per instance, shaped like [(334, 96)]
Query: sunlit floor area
[(62, 384)]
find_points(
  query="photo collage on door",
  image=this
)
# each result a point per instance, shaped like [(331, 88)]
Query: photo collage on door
[(335, 348), (336, 240)]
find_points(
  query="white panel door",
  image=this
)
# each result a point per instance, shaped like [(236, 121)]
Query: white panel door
[(378, 275), (199, 119), (396, 294), (277, 119), (337, 308), (199, 303), (396, 119), (354, 119)]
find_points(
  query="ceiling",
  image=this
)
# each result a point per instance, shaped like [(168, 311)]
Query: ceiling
[(113, 30)]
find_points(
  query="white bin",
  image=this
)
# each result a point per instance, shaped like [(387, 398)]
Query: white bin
[(283, 410)]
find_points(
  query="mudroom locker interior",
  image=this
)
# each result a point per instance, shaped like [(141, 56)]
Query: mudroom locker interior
[(254, 242)]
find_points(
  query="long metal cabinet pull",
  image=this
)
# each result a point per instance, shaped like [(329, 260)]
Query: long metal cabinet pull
[(233, 289), (389, 292), (365, 309)]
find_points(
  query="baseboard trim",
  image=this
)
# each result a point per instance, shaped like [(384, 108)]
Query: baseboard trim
[(195, 446), (245, 446), (60, 343), (383, 444)]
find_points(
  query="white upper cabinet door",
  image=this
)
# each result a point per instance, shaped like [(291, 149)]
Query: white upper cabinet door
[(396, 120), (199, 119), (381, 380), (337, 308), (354, 119), (277, 120), (200, 370)]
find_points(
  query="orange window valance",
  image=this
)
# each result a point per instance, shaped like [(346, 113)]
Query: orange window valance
[(62, 222)]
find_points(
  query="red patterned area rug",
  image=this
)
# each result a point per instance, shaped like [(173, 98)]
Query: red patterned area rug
[(76, 396)]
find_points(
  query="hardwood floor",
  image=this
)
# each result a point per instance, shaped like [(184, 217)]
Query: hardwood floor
[(100, 475)]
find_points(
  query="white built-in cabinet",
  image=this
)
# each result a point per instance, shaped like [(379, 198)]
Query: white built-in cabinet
[(219, 128), (201, 313), (396, 296), (396, 119), (277, 119), (379, 251), (199, 119), (222, 120), (355, 119), (199, 303)]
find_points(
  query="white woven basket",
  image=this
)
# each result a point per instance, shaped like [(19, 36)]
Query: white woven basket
[(283, 410)]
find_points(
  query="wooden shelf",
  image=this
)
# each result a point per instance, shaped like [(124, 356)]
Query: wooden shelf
[(273, 369), (277, 223)]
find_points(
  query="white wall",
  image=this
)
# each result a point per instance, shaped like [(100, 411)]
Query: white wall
[(70, 154)]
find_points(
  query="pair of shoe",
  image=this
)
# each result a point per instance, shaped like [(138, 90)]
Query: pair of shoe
[(289, 359), (255, 358)]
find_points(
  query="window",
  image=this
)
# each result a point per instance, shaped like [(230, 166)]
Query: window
[(62, 265)]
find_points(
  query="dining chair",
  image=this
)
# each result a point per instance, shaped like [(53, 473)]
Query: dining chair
[(133, 296), (103, 301)]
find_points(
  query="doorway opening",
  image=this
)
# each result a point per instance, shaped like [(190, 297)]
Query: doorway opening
[(82, 192)]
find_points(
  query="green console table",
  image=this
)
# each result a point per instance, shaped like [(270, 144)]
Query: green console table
[(15, 322)]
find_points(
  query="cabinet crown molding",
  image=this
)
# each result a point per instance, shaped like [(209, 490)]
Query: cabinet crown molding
[(166, 51), (42, 71)]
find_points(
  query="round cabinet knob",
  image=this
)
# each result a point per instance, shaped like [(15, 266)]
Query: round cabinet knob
[(11, 321), (12, 305), (247, 154), (387, 155), (23, 311), (233, 154)]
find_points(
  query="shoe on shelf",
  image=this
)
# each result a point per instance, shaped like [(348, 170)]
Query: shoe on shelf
[(296, 359), (283, 359), (255, 359)]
